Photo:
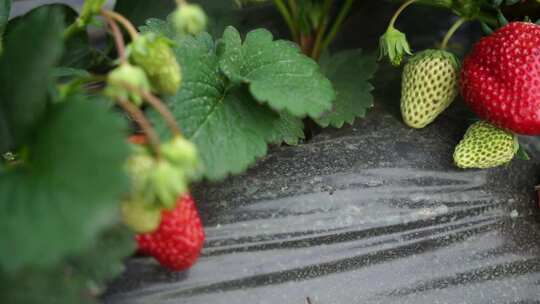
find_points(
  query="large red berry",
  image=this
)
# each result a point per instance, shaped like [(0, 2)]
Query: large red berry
[(178, 240), (500, 79)]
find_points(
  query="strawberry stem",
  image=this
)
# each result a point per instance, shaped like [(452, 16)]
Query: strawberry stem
[(144, 123), (399, 11), (337, 24), (130, 28), (118, 39), (294, 10), (282, 8), (451, 32), (158, 105), (321, 30), (164, 111)]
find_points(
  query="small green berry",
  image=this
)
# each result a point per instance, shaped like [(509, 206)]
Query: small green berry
[(154, 55), (130, 75), (189, 19), (139, 167)]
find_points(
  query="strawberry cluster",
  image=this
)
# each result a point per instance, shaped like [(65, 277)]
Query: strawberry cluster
[(499, 80), (158, 206)]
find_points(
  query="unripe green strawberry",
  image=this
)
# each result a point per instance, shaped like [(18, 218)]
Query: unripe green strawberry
[(153, 53), (485, 146), (128, 74), (182, 154), (140, 217), (189, 19), (429, 85), (139, 167)]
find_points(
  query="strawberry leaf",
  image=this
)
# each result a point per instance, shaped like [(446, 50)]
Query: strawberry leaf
[(230, 128), (349, 72), (76, 279), (289, 129), (31, 50), (277, 73), (67, 188)]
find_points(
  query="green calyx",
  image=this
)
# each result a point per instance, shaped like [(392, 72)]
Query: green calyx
[(168, 183), (429, 86), (189, 19), (154, 55), (158, 182), (127, 74), (394, 44), (485, 146)]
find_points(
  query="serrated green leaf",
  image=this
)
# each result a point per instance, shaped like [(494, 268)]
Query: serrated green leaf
[(289, 129), (228, 126), (349, 72), (31, 50), (77, 279), (230, 130), (277, 73), (68, 188)]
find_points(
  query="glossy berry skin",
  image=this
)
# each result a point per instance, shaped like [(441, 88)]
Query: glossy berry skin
[(500, 79), (177, 242)]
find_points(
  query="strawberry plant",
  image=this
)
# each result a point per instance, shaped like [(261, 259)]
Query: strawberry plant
[(100, 142), (79, 190)]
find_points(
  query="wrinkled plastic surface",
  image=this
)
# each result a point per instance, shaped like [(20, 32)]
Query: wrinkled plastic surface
[(374, 213)]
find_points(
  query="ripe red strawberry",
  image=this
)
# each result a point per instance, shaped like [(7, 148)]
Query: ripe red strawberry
[(500, 79), (178, 240)]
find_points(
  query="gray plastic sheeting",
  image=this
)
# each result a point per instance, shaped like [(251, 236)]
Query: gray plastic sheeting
[(374, 213)]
